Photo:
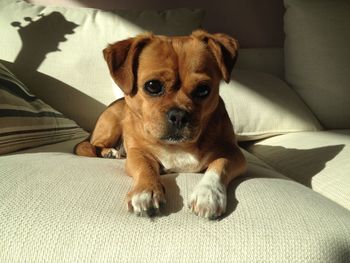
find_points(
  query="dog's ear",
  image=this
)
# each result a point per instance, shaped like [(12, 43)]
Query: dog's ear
[(122, 60), (223, 47)]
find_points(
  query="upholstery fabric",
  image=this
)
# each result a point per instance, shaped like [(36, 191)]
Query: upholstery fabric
[(72, 208), (320, 160), (268, 60), (26, 121), (317, 57), (261, 105), (62, 48)]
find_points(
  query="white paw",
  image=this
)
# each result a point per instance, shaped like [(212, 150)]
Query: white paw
[(208, 199), (111, 153), (146, 203)]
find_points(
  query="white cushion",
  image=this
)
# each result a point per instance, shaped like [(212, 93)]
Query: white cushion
[(320, 160), (72, 207), (317, 57), (62, 50), (261, 105)]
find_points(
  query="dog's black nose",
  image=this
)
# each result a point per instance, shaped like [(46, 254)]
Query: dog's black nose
[(178, 118)]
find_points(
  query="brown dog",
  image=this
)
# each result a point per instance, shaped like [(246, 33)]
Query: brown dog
[(172, 118)]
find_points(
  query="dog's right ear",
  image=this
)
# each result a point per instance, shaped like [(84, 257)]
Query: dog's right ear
[(122, 61)]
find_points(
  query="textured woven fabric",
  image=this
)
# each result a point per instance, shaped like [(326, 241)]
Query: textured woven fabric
[(61, 48), (57, 207), (320, 160), (26, 121), (317, 57), (261, 105)]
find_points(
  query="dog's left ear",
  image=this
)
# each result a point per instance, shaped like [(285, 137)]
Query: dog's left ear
[(223, 47)]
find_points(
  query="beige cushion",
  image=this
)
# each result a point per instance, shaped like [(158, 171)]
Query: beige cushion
[(71, 207), (26, 121), (62, 50), (261, 105), (317, 57), (320, 160)]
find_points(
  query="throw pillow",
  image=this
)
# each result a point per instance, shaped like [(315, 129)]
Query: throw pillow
[(26, 121), (261, 105)]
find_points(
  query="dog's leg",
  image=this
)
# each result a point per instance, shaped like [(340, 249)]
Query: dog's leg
[(106, 135), (147, 193), (209, 197)]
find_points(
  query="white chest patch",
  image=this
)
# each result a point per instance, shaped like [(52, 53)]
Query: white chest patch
[(179, 161)]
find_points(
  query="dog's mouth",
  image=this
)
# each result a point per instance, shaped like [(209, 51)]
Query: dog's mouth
[(174, 138), (169, 135)]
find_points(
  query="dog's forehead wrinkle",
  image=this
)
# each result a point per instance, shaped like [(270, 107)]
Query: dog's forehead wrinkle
[(193, 56), (158, 54), (182, 56)]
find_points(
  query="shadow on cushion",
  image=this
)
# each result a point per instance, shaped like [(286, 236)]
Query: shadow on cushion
[(300, 165)]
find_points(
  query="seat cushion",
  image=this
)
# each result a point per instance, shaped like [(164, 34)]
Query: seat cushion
[(57, 51), (320, 160), (317, 57), (55, 206)]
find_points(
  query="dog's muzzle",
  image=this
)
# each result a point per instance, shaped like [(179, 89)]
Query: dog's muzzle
[(178, 121), (178, 118)]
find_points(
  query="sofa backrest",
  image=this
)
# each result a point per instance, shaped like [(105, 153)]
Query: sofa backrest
[(57, 52), (255, 23), (318, 57), (268, 60)]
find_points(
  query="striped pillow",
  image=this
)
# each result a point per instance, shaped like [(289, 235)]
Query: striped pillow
[(26, 121)]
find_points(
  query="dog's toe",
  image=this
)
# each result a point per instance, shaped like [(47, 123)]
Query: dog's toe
[(208, 201), (111, 153), (146, 203)]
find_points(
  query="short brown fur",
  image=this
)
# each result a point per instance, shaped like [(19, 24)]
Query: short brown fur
[(140, 121)]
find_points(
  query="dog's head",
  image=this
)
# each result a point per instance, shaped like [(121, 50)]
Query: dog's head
[(172, 83)]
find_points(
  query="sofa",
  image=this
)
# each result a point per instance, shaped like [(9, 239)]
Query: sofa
[(290, 108)]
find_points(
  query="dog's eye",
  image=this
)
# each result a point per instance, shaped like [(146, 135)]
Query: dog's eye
[(154, 87), (201, 91)]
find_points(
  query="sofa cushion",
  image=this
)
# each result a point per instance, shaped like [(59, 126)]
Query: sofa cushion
[(320, 160), (317, 57), (261, 105), (62, 49), (72, 207), (26, 121)]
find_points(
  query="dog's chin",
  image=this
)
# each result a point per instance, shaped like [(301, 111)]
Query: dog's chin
[(174, 139)]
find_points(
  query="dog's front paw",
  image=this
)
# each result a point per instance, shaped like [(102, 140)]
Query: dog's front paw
[(208, 200), (146, 201), (111, 153)]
